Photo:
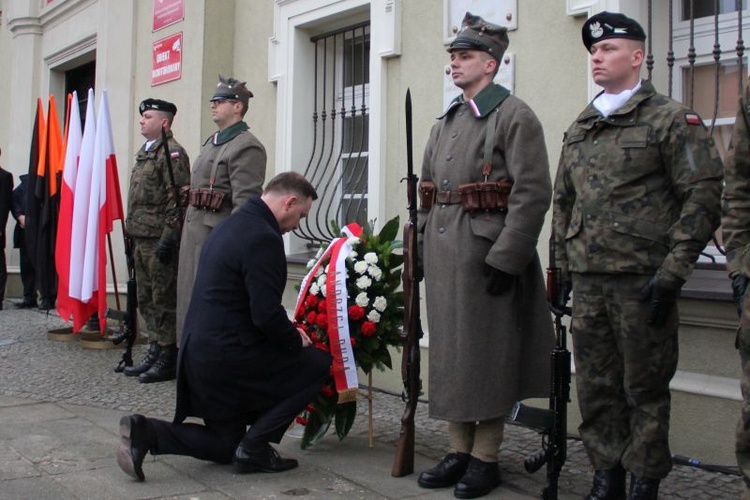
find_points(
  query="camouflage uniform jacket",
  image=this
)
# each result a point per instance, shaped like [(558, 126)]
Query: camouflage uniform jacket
[(150, 198), (637, 192), (736, 206)]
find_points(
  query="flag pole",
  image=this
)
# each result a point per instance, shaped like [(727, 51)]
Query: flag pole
[(114, 272)]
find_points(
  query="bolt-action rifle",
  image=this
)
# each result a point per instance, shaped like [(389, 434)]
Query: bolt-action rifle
[(403, 463), (551, 423), (128, 319)]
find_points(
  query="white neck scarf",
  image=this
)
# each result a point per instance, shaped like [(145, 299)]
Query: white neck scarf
[(607, 103)]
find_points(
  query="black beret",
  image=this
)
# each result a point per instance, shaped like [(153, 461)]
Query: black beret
[(610, 25), (229, 88), (158, 105), (478, 34)]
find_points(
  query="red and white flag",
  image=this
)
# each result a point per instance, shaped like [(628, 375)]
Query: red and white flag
[(73, 137), (96, 204)]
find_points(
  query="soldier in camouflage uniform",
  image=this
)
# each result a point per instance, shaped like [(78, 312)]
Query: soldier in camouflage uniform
[(154, 223), (636, 198), (736, 232)]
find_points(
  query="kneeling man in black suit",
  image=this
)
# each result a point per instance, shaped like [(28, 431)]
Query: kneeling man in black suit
[(241, 360)]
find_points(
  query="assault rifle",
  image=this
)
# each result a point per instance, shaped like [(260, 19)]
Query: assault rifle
[(403, 463), (128, 320), (551, 423)]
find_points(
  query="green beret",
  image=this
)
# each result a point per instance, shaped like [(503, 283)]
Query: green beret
[(158, 105), (606, 25), (478, 34)]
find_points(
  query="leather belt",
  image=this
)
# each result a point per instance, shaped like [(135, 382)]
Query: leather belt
[(448, 197)]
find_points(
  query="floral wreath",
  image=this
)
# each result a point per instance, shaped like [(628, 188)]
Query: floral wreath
[(362, 268)]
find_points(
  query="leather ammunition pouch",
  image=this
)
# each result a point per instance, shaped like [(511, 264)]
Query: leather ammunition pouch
[(426, 195), (207, 198), (184, 196), (485, 196)]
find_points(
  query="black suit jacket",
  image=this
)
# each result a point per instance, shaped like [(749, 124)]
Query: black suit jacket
[(238, 339), (18, 208), (6, 193)]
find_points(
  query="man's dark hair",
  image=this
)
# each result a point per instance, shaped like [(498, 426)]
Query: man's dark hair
[(291, 182)]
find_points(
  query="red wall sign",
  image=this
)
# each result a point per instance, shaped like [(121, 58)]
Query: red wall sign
[(166, 59), (167, 12)]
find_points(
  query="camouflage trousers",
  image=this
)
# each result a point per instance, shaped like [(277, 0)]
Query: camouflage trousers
[(742, 442), (157, 291), (623, 370)]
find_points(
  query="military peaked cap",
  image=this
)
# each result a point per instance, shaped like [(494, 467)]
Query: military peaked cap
[(610, 25), (158, 105), (229, 88), (478, 34)]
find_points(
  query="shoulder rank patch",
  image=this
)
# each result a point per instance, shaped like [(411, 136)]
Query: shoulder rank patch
[(693, 119), (174, 154)]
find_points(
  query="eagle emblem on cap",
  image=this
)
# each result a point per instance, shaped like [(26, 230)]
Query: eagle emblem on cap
[(596, 29)]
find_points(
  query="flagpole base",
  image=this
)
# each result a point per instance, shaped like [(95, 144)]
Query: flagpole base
[(64, 334)]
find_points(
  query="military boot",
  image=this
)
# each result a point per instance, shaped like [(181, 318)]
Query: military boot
[(165, 367), (643, 488), (151, 356), (608, 484)]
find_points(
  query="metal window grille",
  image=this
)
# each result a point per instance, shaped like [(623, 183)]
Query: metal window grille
[(338, 163)]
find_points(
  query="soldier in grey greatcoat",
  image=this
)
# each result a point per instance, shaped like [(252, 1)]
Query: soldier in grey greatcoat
[(489, 325), (153, 224), (736, 232), (230, 170), (636, 199)]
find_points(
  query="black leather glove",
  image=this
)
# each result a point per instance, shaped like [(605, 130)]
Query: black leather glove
[(165, 250), (739, 285), (498, 282), (661, 301)]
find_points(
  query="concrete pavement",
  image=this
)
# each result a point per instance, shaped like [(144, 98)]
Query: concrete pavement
[(60, 405)]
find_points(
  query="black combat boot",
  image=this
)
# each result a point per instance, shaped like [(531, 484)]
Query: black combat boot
[(151, 356), (608, 484), (643, 488), (165, 367), (480, 479), (446, 473)]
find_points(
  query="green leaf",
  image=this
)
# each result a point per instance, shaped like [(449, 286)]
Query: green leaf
[(390, 230), (315, 429), (345, 415)]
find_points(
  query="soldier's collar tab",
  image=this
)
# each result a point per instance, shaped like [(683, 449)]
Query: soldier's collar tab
[(483, 103), (228, 133)]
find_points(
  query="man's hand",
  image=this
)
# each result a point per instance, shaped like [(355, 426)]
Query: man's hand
[(165, 250), (22, 221), (306, 342), (739, 286), (661, 301), (498, 282)]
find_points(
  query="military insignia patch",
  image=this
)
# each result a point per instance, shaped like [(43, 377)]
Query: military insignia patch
[(693, 119), (174, 154), (596, 29)]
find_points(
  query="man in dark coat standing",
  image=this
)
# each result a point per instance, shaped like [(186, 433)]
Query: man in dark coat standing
[(6, 193), (241, 360), (28, 275)]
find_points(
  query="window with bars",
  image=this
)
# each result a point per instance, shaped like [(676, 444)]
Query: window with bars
[(338, 161)]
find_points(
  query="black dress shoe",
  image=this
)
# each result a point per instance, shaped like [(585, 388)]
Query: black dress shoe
[(135, 442), (265, 459), (608, 484), (480, 479), (26, 304), (151, 356), (643, 488), (446, 473)]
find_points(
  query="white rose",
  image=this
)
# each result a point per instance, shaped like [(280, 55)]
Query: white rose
[(321, 280), (371, 257), (373, 316), (380, 303), (320, 253), (314, 289), (323, 290), (311, 263), (360, 267), (362, 300), (353, 241), (375, 272), (363, 282)]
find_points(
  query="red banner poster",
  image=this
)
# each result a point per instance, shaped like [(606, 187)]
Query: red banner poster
[(166, 59), (168, 12)]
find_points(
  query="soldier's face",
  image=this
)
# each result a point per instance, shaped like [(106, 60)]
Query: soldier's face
[(151, 123), (224, 112), (470, 67), (615, 63)]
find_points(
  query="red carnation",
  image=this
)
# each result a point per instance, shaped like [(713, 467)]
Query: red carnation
[(311, 301), (356, 313), (369, 328), (322, 305), (301, 326), (311, 317), (326, 391), (322, 320), (353, 342), (301, 420), (310, 408), (323, 347)]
